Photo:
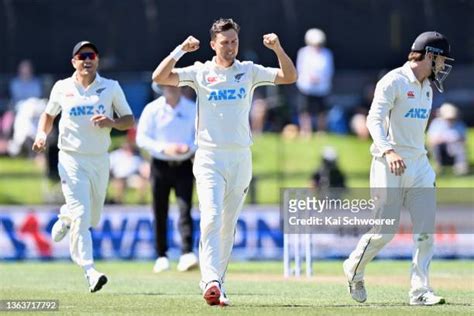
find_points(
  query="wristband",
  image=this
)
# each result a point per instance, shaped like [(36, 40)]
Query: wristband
[(177, 53), (41, 136)]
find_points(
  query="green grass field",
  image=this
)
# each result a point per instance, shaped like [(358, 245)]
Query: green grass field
[(277, 163), (255, 288)]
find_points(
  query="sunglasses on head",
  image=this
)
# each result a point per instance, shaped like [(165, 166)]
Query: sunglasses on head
[(84, 56)]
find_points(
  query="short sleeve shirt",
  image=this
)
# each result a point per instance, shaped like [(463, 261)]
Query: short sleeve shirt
[(77, 105), (224, 97)]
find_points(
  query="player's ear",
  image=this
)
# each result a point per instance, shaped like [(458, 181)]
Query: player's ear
[(73, 62), (213, 45)]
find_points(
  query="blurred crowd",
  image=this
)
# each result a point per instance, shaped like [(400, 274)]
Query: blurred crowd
[(299, 112)]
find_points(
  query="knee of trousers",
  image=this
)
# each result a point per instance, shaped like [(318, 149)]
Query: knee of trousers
[(381, 240)]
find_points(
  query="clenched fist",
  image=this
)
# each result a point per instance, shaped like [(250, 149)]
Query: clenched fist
[(39, 145), (191, 44), (271, 41)]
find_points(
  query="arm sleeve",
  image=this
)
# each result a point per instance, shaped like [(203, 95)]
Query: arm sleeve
[(300, 60), (144, 136), (53, 107), (119, 102), (187, 75), (329, 69), (263, 76), (384, 98)]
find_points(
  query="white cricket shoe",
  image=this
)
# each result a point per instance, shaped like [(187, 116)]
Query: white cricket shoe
[(187, 262), (59, 230), (161, 264), (356, 288), (357, 291), (223, 299), (96, 280), (427, 299), (212, 293)]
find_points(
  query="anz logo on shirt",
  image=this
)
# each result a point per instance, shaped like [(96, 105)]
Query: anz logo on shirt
[(227, 94), (417, 113), (86, 110)]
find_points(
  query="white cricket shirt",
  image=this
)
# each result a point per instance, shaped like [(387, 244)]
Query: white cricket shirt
[(160, 125), (78, 104), (315, 70), (399, 113), (224, 97)]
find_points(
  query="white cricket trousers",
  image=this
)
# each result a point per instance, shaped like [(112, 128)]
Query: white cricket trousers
[(222, 181), (410, 190), (84, 180)]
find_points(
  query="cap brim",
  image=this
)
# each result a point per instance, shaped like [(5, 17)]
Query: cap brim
[(77, 48)]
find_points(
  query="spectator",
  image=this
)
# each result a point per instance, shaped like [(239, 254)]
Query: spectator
[(128, 169), (25, 85), (328, 174), (25, 126), (447, 140), (315, 68)]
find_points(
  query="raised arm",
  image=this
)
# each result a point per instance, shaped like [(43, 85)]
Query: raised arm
[(164, 73), (287, 72)]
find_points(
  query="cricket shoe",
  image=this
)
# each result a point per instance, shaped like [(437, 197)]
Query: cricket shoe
[(187, 262), (223, 299), (356, 288), (427, 299), (60, 228), (212, 293), (96, 280), (161, 264)]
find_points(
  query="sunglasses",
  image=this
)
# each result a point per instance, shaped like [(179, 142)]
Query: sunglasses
[(84, 56)]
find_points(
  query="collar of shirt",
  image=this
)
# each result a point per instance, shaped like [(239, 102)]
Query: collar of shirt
[(176, 110), (97, 80), (217, 67), (411, 75)]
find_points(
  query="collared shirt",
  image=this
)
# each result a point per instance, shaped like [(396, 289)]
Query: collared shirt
[(224, 100), (315, 71), (399, 113), (78, 104), (160, 125)]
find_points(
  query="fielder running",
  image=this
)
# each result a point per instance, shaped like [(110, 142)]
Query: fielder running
[(397, 121), (87, 102), (223, 162)]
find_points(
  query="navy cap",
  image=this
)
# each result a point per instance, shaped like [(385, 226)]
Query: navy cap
[(434, 41), (82, 44)]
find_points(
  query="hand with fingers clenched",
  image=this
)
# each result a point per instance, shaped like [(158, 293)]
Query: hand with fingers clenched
[(395, 162), (271, 41), (190, 44)]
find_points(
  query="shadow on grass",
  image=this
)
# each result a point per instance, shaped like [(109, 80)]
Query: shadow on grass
[(377, 305)]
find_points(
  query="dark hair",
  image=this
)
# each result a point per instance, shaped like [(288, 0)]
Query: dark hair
[(223, 25), (416, 56)]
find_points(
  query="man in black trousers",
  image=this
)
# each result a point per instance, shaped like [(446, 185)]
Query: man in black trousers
[(166, 130)]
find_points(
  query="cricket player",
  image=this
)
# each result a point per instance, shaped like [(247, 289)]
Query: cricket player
[(88, 103), (223, 162), (397, 121)]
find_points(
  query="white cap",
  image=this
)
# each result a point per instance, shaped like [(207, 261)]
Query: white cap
[(329, 153), (448, 111), (315, 37)]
